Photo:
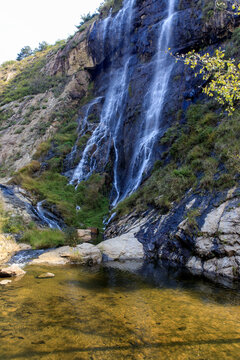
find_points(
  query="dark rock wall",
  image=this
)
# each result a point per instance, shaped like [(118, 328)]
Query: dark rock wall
[(191, 30)]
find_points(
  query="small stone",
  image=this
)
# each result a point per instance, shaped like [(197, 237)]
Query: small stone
[(46, 275), (5, 282)]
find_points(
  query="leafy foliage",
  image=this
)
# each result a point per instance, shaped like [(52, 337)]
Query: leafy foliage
[(85, 18), (25, 52), (222, 76), (44, 239)]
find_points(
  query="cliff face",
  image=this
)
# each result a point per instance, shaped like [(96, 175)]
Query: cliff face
[(143, 88), (57, 80), (97, 53), (103, 103)]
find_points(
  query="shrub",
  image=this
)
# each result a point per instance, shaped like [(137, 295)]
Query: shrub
[(44, 239)]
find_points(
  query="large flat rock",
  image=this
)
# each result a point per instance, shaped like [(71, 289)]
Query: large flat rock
[(84, 254), (124, 247)]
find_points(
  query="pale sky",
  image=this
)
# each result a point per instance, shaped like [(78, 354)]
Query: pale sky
[(29, 22)]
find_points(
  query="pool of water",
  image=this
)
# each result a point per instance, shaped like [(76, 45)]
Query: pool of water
[(126, 310)]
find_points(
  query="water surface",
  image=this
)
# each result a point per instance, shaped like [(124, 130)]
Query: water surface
[(118, 311)]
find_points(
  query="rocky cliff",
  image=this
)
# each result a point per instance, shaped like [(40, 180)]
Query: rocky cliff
[(111, 111)]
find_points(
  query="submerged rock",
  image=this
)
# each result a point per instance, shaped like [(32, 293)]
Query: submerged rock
[(5, 282), (13, 270), (47, 275)]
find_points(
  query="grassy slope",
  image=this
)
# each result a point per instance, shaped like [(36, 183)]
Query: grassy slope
[(49, 184), (21, 78)]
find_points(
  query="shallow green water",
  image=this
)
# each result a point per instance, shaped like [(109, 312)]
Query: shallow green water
[(142, 312)]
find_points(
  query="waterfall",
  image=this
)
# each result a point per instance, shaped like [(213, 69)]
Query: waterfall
[(111, 119), (46, 216), (154, 101), (83, 127), (116, 36)]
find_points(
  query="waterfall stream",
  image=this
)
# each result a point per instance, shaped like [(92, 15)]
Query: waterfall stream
[(108, 133), (111, 119), (46, 216), (154, 101)]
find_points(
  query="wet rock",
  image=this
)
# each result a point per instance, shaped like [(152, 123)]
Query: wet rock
[(195, 265), (13, 270), (123, 247), (53, 257), (211, 246), (5, 282), (46, 275)]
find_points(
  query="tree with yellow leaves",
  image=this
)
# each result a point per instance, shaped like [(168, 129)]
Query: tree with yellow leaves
[(222, 75)]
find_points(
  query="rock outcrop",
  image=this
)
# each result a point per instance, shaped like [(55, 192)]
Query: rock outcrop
[(201, 233), (11, 271), (8, 247), (84, 254), (124, 247)]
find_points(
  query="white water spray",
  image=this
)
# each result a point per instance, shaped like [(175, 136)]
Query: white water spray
[(111, 119), (154, 102)]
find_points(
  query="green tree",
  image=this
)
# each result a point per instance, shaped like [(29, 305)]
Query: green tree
[(85, 18), (25, 52), (41, 46)]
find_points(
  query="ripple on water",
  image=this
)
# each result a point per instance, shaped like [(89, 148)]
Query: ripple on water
[(116, 311)]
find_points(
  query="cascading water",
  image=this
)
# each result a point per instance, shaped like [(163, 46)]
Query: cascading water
[(111, 119), (109, 132), (154, 101), (47, 217), (83, 127)]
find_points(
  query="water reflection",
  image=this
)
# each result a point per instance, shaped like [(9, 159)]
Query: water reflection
[(129, 310)]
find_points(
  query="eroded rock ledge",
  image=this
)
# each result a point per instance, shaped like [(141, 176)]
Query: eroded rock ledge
[(201, 233)]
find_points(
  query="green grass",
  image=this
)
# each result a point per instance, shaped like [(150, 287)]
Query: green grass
[(203, 156), (90, 195), (44, 239), (105, 7), (27, 77)]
